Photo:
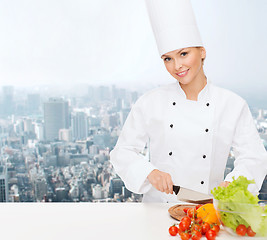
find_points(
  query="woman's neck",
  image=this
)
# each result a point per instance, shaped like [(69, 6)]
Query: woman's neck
[(194, 87)]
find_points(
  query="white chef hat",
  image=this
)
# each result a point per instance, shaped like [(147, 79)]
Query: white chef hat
[(174, 25)]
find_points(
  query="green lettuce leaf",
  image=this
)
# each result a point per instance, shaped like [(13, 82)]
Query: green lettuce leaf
[(239, 206)]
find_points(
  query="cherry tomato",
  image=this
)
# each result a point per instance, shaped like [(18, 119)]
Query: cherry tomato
[(196, 235), (197, 227), (250, 232), (198, 221), (210, 235), (198, 206), (186, 209), (173, 230), (192, 213), (184, 225), (186, 219), (205, 228), (184, 236), (215, 228), (241, 230)]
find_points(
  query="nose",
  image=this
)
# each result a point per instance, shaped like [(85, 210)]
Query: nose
[(178, 65)]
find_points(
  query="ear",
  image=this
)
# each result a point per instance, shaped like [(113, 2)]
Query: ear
[(203, 52)]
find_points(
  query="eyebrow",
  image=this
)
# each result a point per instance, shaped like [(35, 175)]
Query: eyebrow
[(164, 55)]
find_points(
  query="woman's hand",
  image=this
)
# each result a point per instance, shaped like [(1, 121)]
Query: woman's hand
[(161, 181), (224, 184)]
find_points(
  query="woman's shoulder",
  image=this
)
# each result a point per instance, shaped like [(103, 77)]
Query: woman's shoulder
[(158, 92), (227, 95)]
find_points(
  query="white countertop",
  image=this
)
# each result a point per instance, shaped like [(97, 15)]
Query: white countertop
[(84, 221)]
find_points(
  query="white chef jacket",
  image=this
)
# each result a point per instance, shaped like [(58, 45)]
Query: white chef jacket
[(190, 140)]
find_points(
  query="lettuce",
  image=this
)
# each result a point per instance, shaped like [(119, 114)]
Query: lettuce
[(237, 205)]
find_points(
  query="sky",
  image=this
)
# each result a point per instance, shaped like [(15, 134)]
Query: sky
[(106, 42)]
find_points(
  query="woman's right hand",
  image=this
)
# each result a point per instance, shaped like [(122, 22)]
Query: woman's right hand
[(161, 181)]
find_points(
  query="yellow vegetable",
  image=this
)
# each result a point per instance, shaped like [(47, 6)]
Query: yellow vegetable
[(208, 214)]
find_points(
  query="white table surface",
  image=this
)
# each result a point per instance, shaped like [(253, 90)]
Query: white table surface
[(84, 221)]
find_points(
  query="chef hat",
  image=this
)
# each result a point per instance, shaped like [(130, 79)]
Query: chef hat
[(174, 25)]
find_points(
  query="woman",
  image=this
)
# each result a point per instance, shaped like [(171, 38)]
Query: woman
[(188, 126)]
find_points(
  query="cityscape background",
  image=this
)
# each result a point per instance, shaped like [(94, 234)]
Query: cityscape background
[(70, 72), (56, 149)]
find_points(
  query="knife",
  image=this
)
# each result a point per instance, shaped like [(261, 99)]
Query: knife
[(191, 196)]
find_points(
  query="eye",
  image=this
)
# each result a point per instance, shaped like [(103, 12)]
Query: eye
[(167, 59), (184, 54)]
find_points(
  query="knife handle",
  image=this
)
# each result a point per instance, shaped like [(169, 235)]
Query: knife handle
[(176, 189)]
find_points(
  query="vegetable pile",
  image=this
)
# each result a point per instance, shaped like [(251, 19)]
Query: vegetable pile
[(199, 220), (239, 208)]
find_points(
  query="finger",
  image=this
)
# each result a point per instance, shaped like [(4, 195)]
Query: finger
[(165, 186), (170, 184)]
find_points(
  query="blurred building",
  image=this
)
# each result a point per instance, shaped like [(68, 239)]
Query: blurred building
[(79, 123), (3, 184), (7, 100), (33, 103), (56, 116)]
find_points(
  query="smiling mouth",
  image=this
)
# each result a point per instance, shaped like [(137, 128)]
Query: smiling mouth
[(183, 73)]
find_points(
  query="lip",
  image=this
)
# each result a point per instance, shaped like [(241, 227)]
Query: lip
[(182, 74)]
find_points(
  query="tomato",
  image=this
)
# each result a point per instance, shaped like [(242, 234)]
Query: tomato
[(241, 230), (192, 213), (198, 206), (215, 228), (205, 228), (197, 228), (210, 235), (186, 209), (250, 232), (184, 225), (198, 220), (184, 236), (186, 219), (196, 235), (173, 230)]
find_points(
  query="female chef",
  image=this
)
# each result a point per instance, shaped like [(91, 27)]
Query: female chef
[(188, 126)]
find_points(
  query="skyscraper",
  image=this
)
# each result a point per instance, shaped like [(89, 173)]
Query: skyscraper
[(33, 103), (56, 116), (7, 100), (79, 126), (3, 185)]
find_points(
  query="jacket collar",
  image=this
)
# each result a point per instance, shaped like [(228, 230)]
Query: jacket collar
[(202, 96)]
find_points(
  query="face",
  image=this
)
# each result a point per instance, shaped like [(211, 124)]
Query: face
[(186, 65)]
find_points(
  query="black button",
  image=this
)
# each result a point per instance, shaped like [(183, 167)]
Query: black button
[(207, 104), (170, 153), (173, 103), (207, 130), (204, 156), (171, 125), (202, 182)]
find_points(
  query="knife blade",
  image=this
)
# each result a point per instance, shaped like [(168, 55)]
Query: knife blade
[(191, 196)]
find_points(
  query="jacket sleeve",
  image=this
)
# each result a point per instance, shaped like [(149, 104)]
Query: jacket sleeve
[(250, 154), (127, 157)]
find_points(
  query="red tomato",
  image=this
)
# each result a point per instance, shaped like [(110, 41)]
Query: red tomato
[(192, 213), (184, 225), (241, 230), (215, 228), (196, 235), (186, 219), (198, 206), (205, 228), (173, 230), (210, 235), (197, 228), (250, 232), (184, 236), (198, 220), (186, 209)]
